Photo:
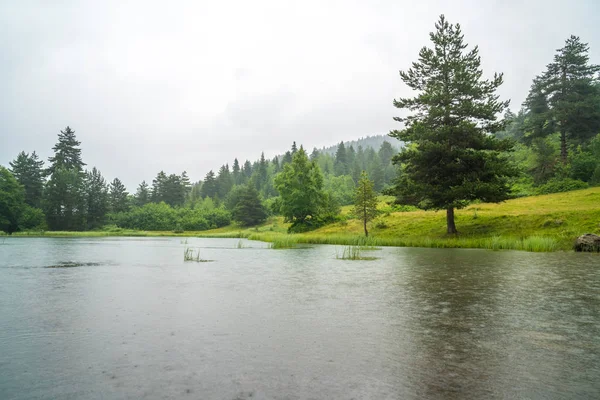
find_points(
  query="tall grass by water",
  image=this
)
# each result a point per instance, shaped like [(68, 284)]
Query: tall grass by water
[(537, 223), (191, 255), (351, 252)]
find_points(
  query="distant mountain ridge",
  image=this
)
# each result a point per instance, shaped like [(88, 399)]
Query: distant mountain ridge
[(374, 141)]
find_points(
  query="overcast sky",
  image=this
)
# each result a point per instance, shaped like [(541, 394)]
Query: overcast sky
[(189, 85)]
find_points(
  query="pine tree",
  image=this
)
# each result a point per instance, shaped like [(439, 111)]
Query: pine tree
[(276, 166), (248, 209), (261, 173), (236, 172), (294, 148), (64, 196), (174, 190), (29, 172), (185, 182), (96, 199), (67, 154), (159, 187), (341, 161), (118, 196), (286, 159), (64, 200), (224, 181), (142, 194), (365, 203), (569, 85), (246, 171), (209, 186), (451, 159), (314, 155)]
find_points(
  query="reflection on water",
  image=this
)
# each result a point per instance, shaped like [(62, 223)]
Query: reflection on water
[(134, 320)]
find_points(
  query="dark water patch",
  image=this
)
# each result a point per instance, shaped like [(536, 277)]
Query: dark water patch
[(75, 264)]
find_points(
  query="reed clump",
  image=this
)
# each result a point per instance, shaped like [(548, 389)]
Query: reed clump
[(352, 252), (191, 255)]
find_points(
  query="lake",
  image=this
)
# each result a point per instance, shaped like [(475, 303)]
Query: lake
[(119, 318)]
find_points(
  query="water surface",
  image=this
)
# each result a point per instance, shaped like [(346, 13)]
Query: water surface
[(119, 318)]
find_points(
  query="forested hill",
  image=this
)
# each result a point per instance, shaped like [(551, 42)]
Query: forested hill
[(374, 142)]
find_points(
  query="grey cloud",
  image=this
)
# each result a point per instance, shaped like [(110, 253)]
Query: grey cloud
[(191, 85)]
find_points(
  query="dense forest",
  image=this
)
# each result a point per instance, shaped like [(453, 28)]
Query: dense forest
[(459, 143)]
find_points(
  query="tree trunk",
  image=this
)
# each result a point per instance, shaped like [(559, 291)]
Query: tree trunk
[(450, 221), (563, 146), (365, 224), (563, 134)]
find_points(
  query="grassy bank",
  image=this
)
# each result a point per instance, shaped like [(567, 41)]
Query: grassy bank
[(538, 223)]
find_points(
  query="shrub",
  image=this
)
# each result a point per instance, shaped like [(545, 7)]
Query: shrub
[(557, 185), (32, 219)]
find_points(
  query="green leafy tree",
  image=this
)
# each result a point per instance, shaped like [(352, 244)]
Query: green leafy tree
[(365, 202), (451, 158), (96, 199), (29, 172), (300, 186), (12, 201), (118, 199), (249, 209)]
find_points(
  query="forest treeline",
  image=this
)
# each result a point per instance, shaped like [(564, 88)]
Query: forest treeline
[(66, 196), (461, 144)]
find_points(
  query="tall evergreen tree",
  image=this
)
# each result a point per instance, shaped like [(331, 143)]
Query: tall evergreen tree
[(341, 161), (174, 190), (209, 186), (185, 182), (569, 85), (29, 172), (314, 155), (276, 166), (142, 194), (64, 200), (236, 172), (246, 171), (248, 209), (118, 196), (67, 154), (224, 181), (159, 187), (365, 203), (451, 159), (286, 159), (64, 196), (96, 199)]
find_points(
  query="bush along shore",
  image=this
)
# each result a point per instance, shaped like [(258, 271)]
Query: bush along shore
[(537, 223)]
